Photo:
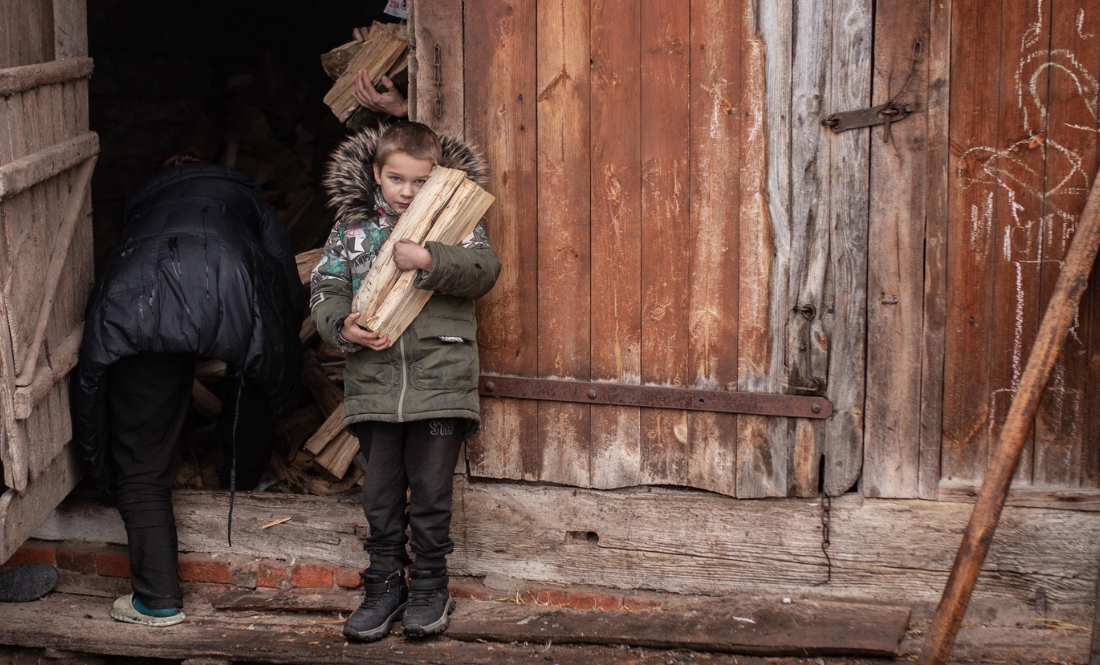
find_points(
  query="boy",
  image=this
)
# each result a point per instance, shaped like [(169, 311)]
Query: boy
[(411, 400)]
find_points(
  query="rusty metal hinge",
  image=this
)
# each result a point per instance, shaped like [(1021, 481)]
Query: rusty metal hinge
[(656, 397)]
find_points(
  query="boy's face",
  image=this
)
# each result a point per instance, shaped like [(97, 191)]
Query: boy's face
[(401, 177)]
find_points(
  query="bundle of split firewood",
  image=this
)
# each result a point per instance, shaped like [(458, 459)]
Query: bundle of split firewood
[(383, 52)]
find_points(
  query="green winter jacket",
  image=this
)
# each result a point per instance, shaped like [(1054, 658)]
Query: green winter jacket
[(431, 371)]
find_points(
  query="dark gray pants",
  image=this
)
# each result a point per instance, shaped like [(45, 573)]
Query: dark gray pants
[(415, 459), (148, 396)]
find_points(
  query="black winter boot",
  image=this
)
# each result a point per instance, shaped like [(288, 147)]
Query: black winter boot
[(430, 603), (386, 595)]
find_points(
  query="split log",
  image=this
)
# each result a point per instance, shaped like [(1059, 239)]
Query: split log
[(210, 369), (331, 429), (335, 62), (328, 396), (446, 210), (297, 429), (381, 50), (307, 261), (206, 403), (334, 460), (309, 483)]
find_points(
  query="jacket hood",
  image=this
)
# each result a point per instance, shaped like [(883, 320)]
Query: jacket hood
[(188, 172), (350, 178)]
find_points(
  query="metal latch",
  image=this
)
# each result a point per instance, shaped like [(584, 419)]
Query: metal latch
[(883, 114)]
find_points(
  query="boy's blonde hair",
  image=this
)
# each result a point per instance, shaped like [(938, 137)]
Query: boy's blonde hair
[(412, 138)]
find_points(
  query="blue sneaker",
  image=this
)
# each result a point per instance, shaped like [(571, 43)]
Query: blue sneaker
[(130, 609)]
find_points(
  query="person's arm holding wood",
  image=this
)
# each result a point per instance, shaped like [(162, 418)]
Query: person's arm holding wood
[(330, 300), (467, 270)]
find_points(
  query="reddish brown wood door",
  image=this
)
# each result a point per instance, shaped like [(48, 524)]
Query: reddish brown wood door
[(1023, 139)]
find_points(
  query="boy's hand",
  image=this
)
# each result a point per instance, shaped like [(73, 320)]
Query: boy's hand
[(352, 332), (408, 255)]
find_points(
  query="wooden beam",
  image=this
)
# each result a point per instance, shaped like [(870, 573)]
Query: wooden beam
[(22, 512), (63, 360), (25, 172), (14, 80)]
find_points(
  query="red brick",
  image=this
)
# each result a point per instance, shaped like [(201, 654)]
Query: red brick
[(268, 573), (640, 604), (348, 578), (555, 598), (36, 552), (113, 564), (472, 592), (79, 561), (313, 576), (607, 602), (200, 568), (242, 573)]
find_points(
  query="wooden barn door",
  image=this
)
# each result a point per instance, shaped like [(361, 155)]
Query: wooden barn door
[(46, 159), (670, 212)]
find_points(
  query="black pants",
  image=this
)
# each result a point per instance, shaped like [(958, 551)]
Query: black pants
[(415, 459), (148, 396)]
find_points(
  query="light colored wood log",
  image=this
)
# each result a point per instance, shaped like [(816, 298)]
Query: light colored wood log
[(70, 29), (25, 172), (296, 429), (335, 62), (206, 403), (380, 51), (307, 261), (332, 428), (61, 362), (14, 80), (334, 460)]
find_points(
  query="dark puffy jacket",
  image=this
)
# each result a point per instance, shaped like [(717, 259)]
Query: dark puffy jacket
[(203, 266)]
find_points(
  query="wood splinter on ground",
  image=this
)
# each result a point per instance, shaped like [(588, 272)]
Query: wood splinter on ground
[(282, 520)]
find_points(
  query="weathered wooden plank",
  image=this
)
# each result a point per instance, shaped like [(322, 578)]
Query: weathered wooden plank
[(844, 319), (70, 29), (713, 216), (61, 361), (616, 209), (665, 136), (438, 23), (1091, 454), (1071, 162), (810, 219), (766, 627), (937, 52), (1028, 496), (501, 117), (895, 289), (691, 543), (564, 238), (975, 80), (22, 512), (21, 174), (764, 445), (14, 80)]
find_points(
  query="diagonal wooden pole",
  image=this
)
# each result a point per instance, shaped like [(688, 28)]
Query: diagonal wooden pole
[(1056, 324)]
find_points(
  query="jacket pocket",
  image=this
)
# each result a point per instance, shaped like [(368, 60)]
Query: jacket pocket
[(369, 373), (449, 364)]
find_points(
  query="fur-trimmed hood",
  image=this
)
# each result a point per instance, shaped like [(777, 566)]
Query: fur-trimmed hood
[(350, 182)]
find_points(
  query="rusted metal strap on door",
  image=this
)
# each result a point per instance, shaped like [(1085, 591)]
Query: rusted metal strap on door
[(656, 397)]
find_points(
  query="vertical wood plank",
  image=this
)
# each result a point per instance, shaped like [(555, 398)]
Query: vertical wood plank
[(937, 52), (764, 444), (844, 322), (70, 28), (975, 85), (439, 22), (500, 116), (564, 250), (810, 219), (1089, 56), (666, 86), (617, 235), (895, 289), (714, 207), (1071, 160), (1013, 166)]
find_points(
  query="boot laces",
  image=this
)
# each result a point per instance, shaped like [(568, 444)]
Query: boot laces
[(421, 599)]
